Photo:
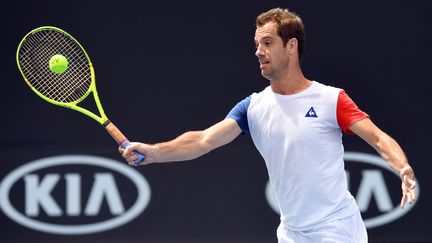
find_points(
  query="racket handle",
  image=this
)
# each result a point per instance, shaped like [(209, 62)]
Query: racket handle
[(140, 156), (122, 140)]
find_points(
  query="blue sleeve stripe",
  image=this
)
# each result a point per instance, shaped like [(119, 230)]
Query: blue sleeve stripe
[(239, 114)]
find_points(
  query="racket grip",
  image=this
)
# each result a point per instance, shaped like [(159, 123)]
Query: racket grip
[(122, 140), (140, 156)]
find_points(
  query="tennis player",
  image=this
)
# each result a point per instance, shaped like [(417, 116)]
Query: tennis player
[(296, 124)]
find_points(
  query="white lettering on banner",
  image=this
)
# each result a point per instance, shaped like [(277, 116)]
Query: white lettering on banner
[(372, 186), (104, 185), (73, 194), (38, 194)]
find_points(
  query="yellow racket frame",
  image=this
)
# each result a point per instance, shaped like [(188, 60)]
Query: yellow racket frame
[(102, 119)]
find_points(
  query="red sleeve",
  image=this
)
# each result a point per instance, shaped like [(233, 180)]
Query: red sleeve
[(347, 112)]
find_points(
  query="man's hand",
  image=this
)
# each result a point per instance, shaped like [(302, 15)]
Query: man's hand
[(408, 185), (129, 155)]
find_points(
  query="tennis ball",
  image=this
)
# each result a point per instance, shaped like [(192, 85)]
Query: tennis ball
[(58, 63)]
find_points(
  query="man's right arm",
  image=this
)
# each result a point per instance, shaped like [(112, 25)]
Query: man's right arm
[(187, 146)]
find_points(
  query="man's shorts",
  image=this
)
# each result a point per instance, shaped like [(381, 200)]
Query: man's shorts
[(347, 230)]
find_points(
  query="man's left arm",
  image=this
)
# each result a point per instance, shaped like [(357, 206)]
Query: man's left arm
[(391, 152)]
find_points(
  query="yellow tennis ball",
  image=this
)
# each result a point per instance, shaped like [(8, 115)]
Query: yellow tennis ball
[(58, 63)]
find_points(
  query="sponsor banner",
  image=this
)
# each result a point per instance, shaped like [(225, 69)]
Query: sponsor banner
[(56, 190)]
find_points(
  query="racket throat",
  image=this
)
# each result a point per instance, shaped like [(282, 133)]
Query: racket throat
[(115, 133)]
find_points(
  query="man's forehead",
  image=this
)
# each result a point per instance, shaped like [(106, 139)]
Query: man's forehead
[(267, 30)]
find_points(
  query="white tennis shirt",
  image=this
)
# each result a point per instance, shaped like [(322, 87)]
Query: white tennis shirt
[(299, 136)]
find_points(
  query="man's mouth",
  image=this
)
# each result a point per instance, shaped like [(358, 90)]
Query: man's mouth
[(262, 63)]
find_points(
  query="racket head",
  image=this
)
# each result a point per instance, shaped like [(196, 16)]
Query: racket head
[(64, 89)]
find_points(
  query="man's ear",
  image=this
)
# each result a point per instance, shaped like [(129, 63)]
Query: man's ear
[(292, 46)]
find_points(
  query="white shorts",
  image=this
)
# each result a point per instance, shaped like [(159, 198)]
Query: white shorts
[(347, 230)]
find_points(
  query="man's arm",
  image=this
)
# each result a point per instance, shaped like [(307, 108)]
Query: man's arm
[(391, 152), (187, 146)]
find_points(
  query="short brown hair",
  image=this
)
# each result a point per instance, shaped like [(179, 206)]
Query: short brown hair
[(289, 25)]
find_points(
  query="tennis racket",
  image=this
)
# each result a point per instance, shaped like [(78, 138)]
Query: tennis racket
[(68, 87)]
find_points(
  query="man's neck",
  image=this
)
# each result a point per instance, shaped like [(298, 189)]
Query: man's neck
[(291, 83)]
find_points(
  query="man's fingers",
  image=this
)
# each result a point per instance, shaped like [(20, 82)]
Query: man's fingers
[(120, 149), (402, 205), (408, 186), (406, 181), (412, 184), (127, 150), (412, 196), (409, 197), (131, 159), (130, 153)]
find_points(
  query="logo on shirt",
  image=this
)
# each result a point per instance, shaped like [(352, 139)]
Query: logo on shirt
[(311, 113)]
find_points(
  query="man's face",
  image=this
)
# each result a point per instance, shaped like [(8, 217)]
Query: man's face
[(272, 55)]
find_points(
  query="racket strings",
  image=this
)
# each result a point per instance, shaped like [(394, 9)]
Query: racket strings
[(50, 91), (34, 56), (67, 84), (72, 83)]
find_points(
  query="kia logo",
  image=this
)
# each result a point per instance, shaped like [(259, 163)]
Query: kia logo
[(55, 189), (371, 186)]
